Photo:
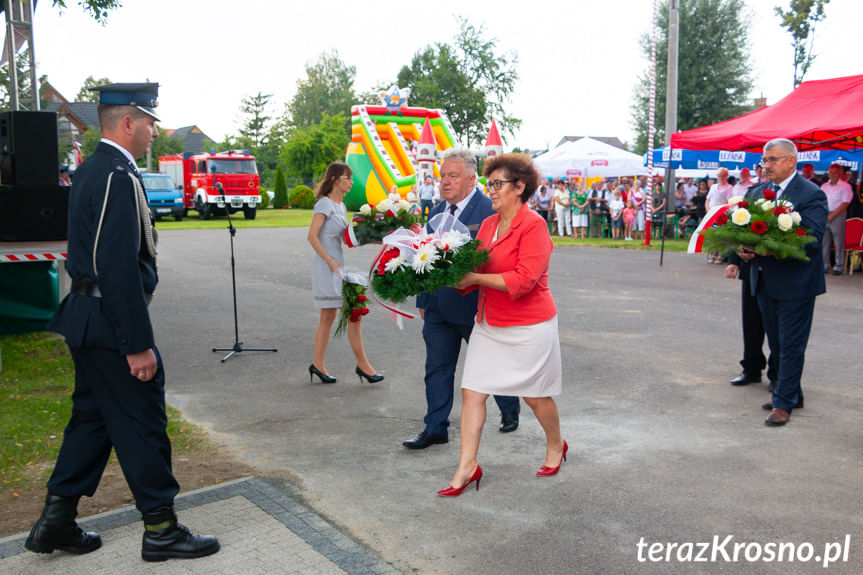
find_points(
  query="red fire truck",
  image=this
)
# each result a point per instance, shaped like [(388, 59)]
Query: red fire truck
[(197, 175)]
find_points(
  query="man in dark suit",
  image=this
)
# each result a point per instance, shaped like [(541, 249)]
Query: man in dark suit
[(753, 361), (119, 397), (786, 289), (448, 317)]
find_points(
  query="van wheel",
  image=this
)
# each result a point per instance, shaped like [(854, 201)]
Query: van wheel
[(249, 213), (178, 218), (204, 211)]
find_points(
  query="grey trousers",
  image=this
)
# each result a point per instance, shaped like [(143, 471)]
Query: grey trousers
[(835, 234)]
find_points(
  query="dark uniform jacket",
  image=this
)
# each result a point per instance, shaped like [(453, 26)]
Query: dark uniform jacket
[(107, 248)]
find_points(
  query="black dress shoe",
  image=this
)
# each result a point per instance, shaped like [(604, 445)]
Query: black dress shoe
[(769, 406), (165, 539), (744, 379), (57, 529), (508, 422), (772, 385), (424, 439)]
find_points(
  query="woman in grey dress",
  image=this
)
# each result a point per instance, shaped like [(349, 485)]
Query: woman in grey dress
[(329, 221)]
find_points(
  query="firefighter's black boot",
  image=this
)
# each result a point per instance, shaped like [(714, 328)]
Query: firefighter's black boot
[(164, 538), (56, 529)]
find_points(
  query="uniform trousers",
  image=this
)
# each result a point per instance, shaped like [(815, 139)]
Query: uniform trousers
[(111, 408)]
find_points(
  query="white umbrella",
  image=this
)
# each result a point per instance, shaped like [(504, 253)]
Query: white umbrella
[(588, 158)]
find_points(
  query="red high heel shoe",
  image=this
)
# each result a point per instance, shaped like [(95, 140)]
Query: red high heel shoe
[(546, 471), (451, 491)]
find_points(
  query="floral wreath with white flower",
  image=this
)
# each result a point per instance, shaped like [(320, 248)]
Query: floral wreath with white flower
[(768, 226), (413, 261)]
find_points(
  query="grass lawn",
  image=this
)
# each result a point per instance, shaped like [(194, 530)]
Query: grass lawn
[(269, 218), (297, 218), (655, 245), (35, 403)]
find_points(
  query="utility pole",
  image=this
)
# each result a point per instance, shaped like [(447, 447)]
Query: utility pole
[(671, 93)]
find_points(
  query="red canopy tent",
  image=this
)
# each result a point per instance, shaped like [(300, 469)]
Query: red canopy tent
[(820, 114)]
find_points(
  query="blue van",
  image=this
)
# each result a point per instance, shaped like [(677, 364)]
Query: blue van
[(163, 196)]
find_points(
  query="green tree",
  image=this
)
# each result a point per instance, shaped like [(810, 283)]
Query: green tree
[(468, 78), (800, 19), (280, 196), (85, 95), (98, 9), (713, 68), (328, 89), (309, 150), (162, 146), (255, 122)]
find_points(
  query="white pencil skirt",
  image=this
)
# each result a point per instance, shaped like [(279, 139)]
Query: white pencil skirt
[(521, 360)]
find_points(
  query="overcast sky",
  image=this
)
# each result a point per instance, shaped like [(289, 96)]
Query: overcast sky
[(578, 60)]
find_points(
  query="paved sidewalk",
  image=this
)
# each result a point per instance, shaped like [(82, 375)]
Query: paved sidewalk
[(262, 525)]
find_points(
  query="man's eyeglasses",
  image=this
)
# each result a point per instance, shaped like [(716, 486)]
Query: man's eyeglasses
[(498, 184), (771, 159)]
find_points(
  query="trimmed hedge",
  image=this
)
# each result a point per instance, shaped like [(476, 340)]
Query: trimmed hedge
[(302, 197)]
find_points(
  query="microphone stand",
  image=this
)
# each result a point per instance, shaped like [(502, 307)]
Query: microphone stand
[(238, 345)]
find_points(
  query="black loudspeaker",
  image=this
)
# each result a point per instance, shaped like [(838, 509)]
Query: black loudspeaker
[(33, 213), (28, 148)]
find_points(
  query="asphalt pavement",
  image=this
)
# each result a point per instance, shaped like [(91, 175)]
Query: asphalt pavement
[(666, 461)]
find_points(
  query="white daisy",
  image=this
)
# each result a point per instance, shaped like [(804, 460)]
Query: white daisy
[(395, 263), (425, 258)]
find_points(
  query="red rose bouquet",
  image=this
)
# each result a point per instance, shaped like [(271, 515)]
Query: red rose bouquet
[(353, 285)]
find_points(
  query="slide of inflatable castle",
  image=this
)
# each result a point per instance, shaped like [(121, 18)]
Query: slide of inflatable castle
[(385, 148)]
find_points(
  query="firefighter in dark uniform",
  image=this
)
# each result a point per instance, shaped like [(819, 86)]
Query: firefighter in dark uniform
[(119, 397)]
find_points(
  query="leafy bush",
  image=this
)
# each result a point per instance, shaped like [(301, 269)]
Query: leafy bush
[(265, 199), (280, 199), (302, 197)]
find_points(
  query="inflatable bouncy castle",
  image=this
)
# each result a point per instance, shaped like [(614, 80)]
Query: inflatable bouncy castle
[(393, 145)]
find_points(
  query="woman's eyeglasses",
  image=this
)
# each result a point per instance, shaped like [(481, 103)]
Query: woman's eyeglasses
[(498, 184)]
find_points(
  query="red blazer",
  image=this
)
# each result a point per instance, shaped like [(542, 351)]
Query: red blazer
[(521, 256)]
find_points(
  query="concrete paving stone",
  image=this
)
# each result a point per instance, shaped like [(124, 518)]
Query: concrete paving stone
[(252, 542)]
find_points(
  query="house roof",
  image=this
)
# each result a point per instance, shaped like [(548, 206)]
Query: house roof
[(85, 112), (192, 138)]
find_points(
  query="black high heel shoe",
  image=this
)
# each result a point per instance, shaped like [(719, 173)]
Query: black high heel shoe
[(374, 378), (324, 377)]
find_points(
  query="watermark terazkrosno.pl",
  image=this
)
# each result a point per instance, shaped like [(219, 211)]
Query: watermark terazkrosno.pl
[(730, 551)]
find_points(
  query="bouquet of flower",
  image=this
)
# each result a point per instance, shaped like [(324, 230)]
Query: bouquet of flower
[(371, 224), (353, 286), (414, 261), (767, 225)]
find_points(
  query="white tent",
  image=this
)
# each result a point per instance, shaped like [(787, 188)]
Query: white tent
[(588, 158)]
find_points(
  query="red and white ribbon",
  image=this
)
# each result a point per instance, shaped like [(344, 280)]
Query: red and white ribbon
[(696, 241), (397, 314), (350, 238)]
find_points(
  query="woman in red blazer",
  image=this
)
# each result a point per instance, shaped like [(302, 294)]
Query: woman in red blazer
[(514, 347)]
